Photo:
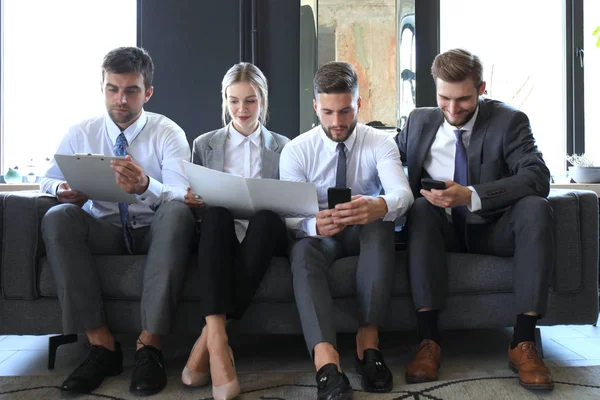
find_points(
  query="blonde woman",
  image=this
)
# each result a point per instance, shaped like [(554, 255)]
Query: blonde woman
[(233, 255)]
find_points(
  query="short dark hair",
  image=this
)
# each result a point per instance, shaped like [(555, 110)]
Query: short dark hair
[(335, 77), (456, 65), (123, 60)]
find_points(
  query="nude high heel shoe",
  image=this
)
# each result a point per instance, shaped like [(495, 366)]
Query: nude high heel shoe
[(193, 378), (229, 390)]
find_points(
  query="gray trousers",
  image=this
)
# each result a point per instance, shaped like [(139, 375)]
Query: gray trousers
[(311, 259), (73, 237), (524, 231)]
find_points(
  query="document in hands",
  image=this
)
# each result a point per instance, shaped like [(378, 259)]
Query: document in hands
[(91, 174), (244, 197)]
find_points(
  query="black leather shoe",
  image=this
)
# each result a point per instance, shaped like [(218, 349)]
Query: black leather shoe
[(99, 363), (149, 375), (333, 384), (376, 376)]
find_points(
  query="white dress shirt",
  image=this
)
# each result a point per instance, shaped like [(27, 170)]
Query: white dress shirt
[(243, 157), (439, 163), (154, 141), (372, 163)]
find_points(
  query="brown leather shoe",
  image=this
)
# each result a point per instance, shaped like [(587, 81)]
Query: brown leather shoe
[(533, 374), (425, 364)]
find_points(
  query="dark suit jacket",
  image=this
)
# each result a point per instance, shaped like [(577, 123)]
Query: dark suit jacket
[(505, 164), (209, 151)]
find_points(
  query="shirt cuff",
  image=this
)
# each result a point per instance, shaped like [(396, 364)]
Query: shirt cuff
[(475, 200), (392, 207), (302, 227), (151, 196), (56, 186)]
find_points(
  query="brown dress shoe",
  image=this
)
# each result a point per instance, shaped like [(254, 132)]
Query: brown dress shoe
[(533, 374), (425, 364)]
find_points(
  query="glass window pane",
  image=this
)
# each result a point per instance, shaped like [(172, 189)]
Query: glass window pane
[(591, 77), (522, 67), (52, 52)]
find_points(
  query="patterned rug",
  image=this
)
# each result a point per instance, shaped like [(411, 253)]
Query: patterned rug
[(570, 383)]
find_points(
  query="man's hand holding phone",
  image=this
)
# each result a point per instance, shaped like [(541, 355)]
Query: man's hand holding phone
[(453, 195), (361, 210), (326, 224)]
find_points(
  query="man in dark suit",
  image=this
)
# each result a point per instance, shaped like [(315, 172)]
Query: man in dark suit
[(494, 202)]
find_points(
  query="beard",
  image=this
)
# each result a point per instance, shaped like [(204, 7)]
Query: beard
[(340, 137), (122, 117), (462, 121)]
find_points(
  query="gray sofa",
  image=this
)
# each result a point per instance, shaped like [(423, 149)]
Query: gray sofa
[(480, 287)]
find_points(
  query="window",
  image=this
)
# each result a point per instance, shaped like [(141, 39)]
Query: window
[(522, 67), (591, 76), (51, 57)]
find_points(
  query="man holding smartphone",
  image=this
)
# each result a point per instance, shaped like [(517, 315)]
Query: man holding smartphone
[(494, 202), (357, 160)]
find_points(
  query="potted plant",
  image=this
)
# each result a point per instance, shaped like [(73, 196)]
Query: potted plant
[(583, 169)]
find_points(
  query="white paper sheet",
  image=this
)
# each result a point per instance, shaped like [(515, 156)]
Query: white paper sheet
[(244, 197)]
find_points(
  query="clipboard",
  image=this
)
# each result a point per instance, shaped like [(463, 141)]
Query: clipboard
[(91, 174)]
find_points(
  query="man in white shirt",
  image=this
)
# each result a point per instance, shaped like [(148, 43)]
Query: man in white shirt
[(494, 203), (342, 153), (159, 224)]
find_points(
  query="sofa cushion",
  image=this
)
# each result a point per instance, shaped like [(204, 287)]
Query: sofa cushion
[(121, 276)]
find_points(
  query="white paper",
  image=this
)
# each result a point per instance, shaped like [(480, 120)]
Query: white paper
[(93, 175), (245, 197), (288, 199), (220, 189)]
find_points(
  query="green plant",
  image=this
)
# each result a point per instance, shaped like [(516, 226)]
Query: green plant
[(597, 32)]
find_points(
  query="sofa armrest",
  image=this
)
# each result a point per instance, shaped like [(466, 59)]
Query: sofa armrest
[(21, 216), (576, 237)]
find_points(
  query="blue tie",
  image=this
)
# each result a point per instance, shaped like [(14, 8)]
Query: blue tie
[(121, 150), (459, 214)]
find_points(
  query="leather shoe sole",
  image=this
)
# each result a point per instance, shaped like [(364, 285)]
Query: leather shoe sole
[(531, 386), (415, 379)]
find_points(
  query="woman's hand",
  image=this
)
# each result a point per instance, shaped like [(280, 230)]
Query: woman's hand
[(192, 199)]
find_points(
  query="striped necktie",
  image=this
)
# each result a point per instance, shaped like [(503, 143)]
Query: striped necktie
[(121, 150), (459, 214)]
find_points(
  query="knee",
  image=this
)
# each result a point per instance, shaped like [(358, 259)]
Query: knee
[(217, 215), (176, 215), (265, 218), (58, 217), (422, 211), (533, 212)]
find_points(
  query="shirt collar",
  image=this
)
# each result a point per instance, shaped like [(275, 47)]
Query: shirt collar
[(237, 138), (130, 132), (332, 145), (468, 127)]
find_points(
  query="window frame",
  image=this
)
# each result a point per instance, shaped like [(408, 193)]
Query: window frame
[(427, 14)]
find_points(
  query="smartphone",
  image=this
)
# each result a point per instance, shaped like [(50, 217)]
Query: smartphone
[(337, 196), (429, 184)]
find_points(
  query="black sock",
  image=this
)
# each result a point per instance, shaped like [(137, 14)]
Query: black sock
[(428, 325), (524, 329)]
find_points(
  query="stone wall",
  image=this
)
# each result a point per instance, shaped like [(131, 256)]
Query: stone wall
[(363, 33)]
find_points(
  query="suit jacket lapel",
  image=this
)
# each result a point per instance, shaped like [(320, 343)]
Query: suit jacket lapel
[(423, 146), (476, 142), (216, 157), (270, 157)]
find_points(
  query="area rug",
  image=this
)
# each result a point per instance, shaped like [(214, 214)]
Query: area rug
[(570, 383)]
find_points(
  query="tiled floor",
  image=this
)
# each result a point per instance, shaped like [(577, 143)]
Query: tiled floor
[(484, 350)]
